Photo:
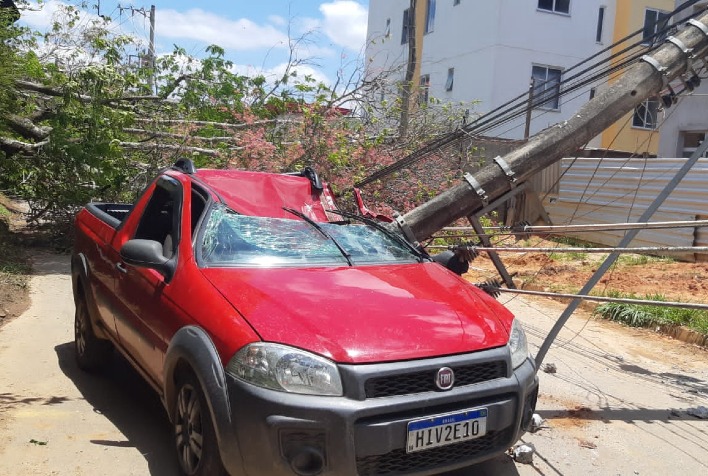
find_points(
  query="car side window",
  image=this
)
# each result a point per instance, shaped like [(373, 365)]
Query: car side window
[(160, 219)]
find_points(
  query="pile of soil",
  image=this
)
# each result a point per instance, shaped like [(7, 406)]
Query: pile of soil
[(568, 273)]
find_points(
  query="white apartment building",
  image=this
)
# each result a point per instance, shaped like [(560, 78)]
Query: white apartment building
[(488, 51)]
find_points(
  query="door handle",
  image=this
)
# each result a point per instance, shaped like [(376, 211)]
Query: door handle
[(121, 267)]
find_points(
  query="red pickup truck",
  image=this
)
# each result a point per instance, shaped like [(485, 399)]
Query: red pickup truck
[(286, 337)]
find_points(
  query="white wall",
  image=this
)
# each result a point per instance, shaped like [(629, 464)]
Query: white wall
[(492, 45)]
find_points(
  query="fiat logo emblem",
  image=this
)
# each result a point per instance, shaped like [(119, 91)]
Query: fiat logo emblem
[(445, 378)]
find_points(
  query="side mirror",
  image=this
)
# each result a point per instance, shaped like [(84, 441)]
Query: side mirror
[(147, 254)]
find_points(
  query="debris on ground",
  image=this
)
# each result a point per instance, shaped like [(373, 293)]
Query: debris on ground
[(549, 368), (587, 444), (536, 423), (523, 453), (699, 412)]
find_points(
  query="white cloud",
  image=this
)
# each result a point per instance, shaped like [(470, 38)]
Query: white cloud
[(240, 35), (276, 72), (345, 23), (41, 16), (277, 20)]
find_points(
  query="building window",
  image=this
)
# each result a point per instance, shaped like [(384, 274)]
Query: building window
[(558, 6), (450, 79), (405, 31), (388, 29), (546, 87), (600, 21), (592, 93), (430, 16), (691, 141), (645, 115), (655, 26), (423, 93)]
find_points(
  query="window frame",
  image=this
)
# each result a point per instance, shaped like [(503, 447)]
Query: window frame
[(661, 15), (600, 24), (554, 7), (639, 120), (424, 89), (430, 17), (450, 81), (539, 94), (405, 29), (687, 152)]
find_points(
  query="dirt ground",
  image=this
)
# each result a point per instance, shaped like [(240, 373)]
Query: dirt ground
[(568, 273), (14, 267)]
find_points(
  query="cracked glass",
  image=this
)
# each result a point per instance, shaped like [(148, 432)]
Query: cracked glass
[(231, 239)]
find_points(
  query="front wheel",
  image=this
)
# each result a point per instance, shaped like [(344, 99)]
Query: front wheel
[(92, 353), (195, 440)]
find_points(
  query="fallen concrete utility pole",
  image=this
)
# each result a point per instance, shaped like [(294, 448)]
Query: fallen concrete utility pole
[(645, 79)]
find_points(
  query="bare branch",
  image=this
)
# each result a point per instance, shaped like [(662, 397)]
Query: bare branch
[(54, 92), (154, 134), (26, 128), (225, 125), (151, 146), (12, 146)]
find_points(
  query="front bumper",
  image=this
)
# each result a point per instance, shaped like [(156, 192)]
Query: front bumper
[(284, 434)]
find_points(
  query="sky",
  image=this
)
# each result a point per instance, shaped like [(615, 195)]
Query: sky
[(255, 34)]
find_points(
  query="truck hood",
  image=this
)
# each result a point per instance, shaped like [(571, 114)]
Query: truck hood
[(366, 314)]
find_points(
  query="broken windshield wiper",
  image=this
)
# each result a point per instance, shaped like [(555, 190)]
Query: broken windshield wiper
[(382, 229), (317, 227)]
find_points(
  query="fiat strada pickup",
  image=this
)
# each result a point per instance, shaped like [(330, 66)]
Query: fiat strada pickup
[(286, 337)]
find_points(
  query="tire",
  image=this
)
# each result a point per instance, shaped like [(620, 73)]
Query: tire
[(195, 440), (92, 353)]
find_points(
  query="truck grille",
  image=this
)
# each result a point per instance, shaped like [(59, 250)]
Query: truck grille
[(424, 381), (400, 462)]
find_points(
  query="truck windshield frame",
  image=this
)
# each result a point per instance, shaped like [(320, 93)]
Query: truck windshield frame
[(230, 239)]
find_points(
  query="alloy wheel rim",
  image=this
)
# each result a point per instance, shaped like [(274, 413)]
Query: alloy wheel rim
[(188, 429), (80, 330)]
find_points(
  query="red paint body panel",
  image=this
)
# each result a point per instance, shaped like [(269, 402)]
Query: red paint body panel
[(368, 313), (262, 194)]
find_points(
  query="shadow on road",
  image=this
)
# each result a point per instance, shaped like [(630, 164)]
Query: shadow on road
[(499, 466), (123, 397)]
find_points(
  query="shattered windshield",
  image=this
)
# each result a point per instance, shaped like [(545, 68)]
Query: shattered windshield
[(230, 239)]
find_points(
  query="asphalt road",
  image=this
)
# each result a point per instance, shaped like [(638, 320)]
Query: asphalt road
[(617, 404)]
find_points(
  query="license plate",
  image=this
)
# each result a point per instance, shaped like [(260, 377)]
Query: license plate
[(441, 430)]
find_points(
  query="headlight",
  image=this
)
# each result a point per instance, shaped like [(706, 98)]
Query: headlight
[(286, 369), (517, 344)]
